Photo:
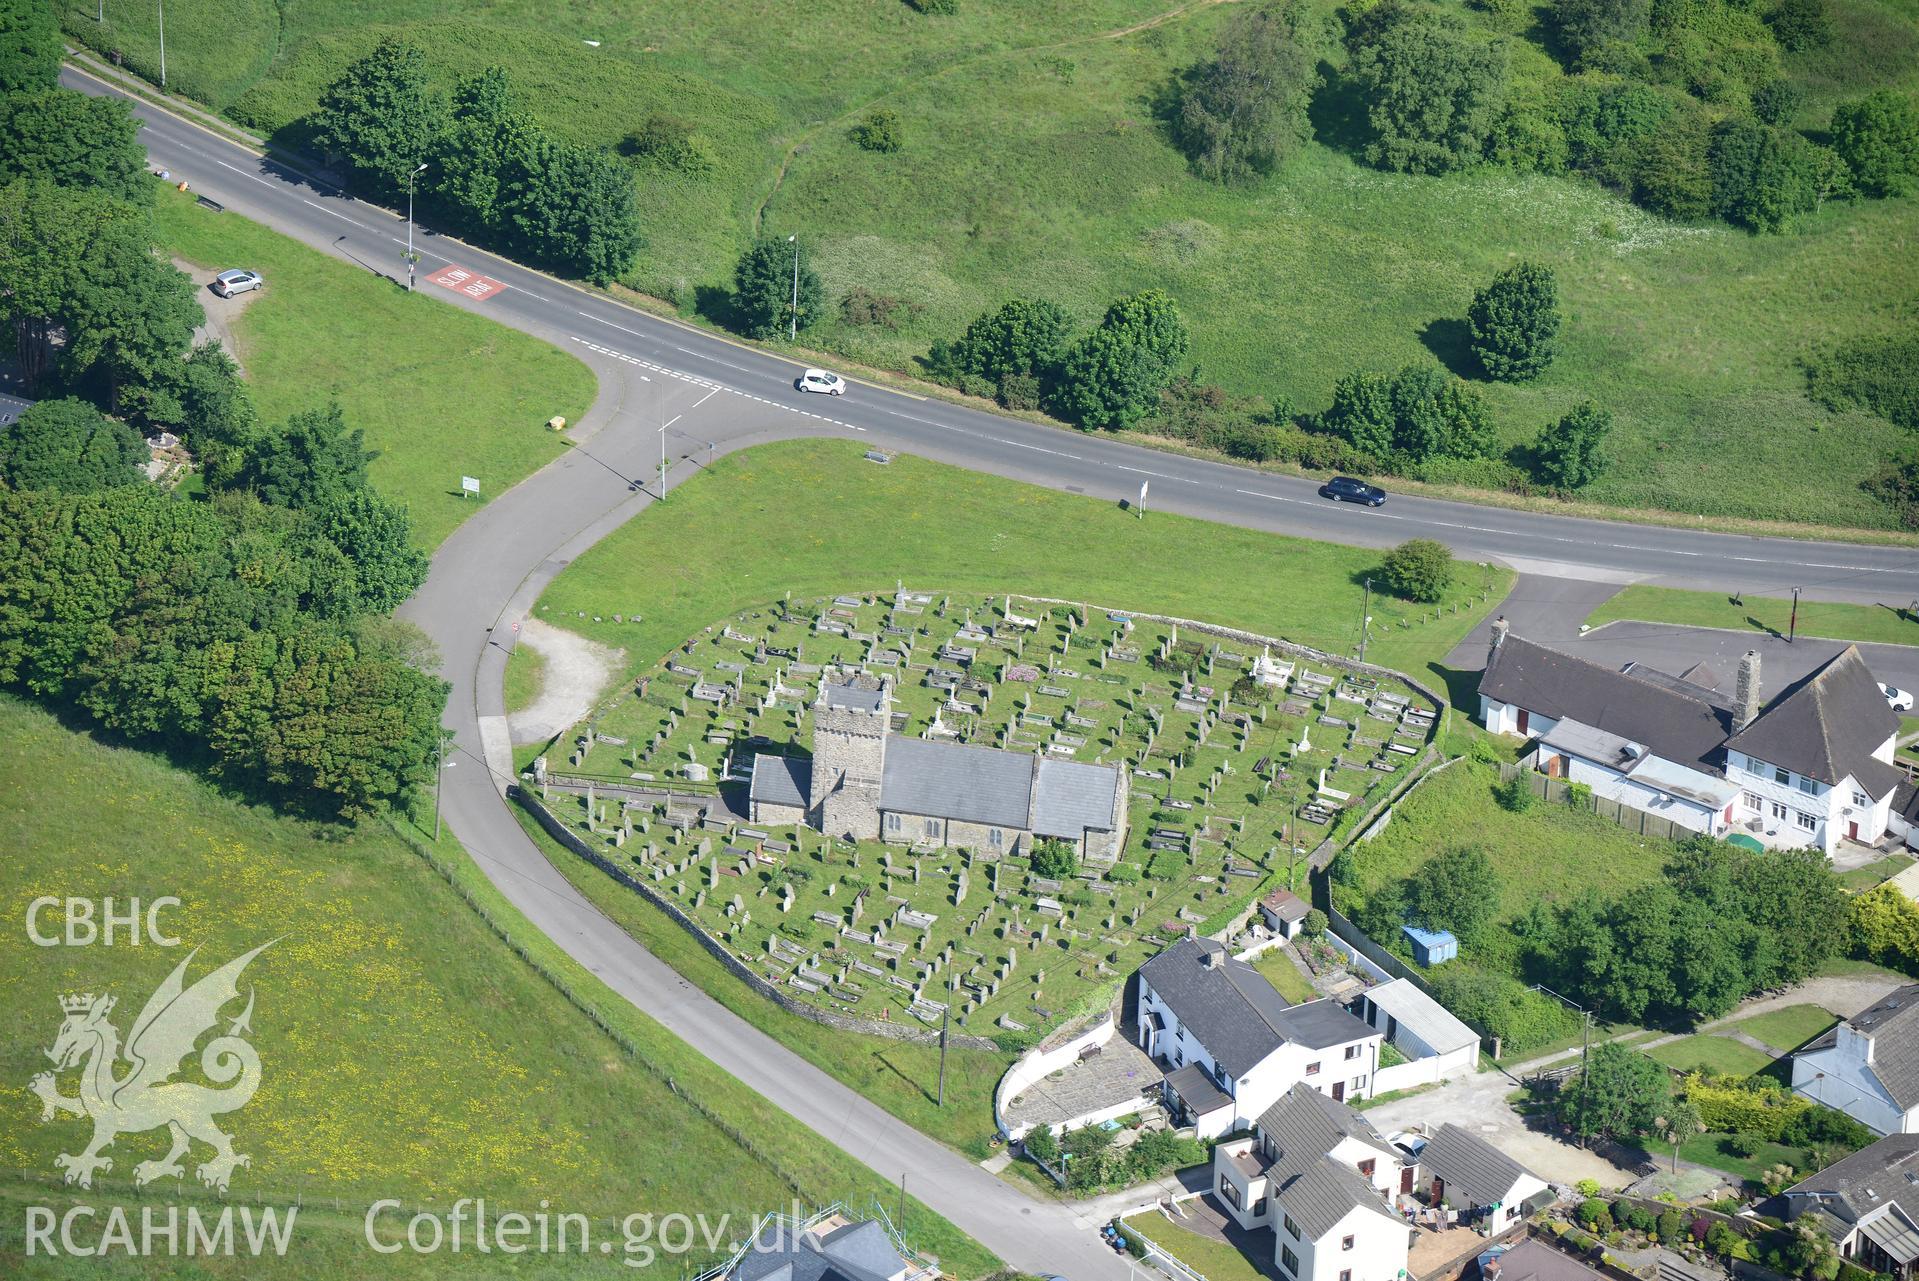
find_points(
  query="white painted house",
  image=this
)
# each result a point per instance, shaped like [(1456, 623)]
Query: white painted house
[(1231, 1044), (1491, 1191), (1323, 1180), (1868, 1205), (1434, 1043), (1868, 1066), (1811, 768)]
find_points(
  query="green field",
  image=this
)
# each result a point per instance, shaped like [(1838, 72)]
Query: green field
[(1788, 1029), (440, 392), (1032, 155), (1889, 623), (1719, 1055), (407, 1052), (843, 525), (1550, 854)]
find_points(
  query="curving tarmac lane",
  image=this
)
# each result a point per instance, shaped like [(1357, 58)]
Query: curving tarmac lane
[(706, 396)]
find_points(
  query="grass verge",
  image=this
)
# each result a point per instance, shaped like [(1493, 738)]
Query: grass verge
[(440, 392), (1887, 624)]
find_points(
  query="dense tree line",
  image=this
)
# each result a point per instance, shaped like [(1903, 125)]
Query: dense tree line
[(241, 630), (490, 171)]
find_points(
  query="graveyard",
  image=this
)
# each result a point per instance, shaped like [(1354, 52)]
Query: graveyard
[(1239, 758)]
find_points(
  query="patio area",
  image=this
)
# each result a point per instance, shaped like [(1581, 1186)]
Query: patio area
[(1119, 1074)]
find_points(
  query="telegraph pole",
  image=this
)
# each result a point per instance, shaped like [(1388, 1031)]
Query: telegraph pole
[(793, 326), (1792, 628), (163, 44), (1365, 619), (945, 1016)]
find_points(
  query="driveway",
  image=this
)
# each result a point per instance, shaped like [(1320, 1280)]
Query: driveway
[(1478, 1103)]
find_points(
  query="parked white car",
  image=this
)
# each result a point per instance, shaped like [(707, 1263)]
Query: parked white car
[(229, 283), (823, 381), (1900, 700)]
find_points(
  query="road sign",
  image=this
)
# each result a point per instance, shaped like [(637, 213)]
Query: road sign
[(469, 485)]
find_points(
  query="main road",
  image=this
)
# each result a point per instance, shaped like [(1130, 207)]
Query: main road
[(703, 395)]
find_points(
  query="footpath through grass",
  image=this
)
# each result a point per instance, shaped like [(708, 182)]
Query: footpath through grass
[(441, 393), (1890, 623), (811, 518), (407, 1051)]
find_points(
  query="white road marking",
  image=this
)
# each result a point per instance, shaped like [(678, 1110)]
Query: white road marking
[(707, 383)]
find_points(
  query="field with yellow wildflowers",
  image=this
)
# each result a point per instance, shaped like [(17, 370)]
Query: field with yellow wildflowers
[(407, 1050)]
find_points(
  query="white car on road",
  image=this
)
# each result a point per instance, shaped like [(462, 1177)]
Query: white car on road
[(1900, 700), (229, 283), (821, 380)]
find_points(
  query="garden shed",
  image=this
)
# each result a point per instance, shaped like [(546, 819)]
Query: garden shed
[(1430, 947)]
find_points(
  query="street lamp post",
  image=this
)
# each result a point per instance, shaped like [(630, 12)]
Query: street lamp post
[(411, 258), (793, 321), (162, 5), (439, 783)]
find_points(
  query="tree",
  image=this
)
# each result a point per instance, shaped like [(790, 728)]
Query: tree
[(1244, 113), (1515, 323), (1878, 138), (1587, 28), (313, 460), (1571, 453), (1315, 923), (1435, 416), (1113, 376), (30, 46), (1055, 860), (1362, 412), (1024, 336), (70, 446), (1419, 569), (1435, 94), (1671, 173), (1456, 890), (573, 207), (1799, 25), (1621, 1094), (73, 139), (1761, 177), (470, 163), (380, 118), (375, 536), (1886, 928), (1776, 101), (218, 420), (880, 131), (763, 289)]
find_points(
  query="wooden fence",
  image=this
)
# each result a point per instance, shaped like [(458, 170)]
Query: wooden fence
[(1558, 790)]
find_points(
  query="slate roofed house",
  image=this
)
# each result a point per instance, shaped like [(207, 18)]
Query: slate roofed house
[(1811, 768), (1868, 1204), (1232, 1044), (1323, 1180), (1491, 1191), (866, 782), (1868, 1066), (829, 1246)]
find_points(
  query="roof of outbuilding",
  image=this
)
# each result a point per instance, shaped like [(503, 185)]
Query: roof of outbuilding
[(1669, 716), (781, 780), (1826, 726), (1069, 797), (1532, 1260), (1424, 1017), (1286, 905), (955, 781), (1197, 1090), (1471, 1165)]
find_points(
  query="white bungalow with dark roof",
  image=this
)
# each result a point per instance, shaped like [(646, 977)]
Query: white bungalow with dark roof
[(1232, 1044), (1491, 1191), (1868, 1204), (1868, 1066), (867, 783), (1324, 1181), (1811, 768)]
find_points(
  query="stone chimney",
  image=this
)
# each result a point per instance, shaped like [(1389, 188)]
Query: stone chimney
[(1213, 957), (1746, 691), (1500, 628)]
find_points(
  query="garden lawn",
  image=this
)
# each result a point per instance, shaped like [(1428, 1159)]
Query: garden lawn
[(1033, 162), (1719, 1055), (1277, 965), (1887, 624), (439, 392), (1212, 1259), (811, 519), (1875, 872), (1710, 1150), (1551, 853), (408, 1052), (1789, 1028)]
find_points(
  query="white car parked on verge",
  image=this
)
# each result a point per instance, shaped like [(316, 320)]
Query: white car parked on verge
[(821, 380), (229, 283), (1898, 699)]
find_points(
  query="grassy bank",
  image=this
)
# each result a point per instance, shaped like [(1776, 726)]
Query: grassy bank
[(1033, 160), (1888, 624), (407, 1052), (440, 392), (812, 519)]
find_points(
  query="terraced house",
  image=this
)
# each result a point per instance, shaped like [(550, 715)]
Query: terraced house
[(1814, 767)]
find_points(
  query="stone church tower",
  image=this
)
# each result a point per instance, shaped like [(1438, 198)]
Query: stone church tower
[(850, 724)]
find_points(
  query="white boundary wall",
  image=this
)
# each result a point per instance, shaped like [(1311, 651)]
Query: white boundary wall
[(1037, 1065)]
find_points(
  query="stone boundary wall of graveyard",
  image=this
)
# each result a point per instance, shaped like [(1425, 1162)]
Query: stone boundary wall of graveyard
[(1149, 701)]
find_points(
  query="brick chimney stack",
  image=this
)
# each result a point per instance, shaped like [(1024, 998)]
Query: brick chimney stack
[(1500, 628)]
